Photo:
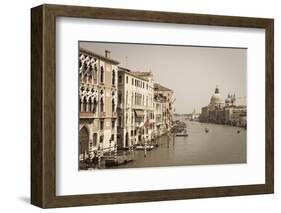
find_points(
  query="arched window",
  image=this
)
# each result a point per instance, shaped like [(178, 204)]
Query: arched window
[(113, 77), (90, 105), (95, 73), (101, 74), (94, 106), (101, 105), (84, 105), (113, 105), (83, 142), (95, 139), (113, 101)]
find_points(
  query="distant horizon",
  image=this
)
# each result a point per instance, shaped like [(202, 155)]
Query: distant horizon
[(192, 72)]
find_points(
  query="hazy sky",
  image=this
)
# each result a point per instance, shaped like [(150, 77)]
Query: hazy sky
[(191, 72)]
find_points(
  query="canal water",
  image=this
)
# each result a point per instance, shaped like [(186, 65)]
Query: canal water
[(221, 145)]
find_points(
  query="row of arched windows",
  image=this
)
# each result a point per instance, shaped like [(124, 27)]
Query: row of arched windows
[(89, 76), (89, 70), (92, 104)]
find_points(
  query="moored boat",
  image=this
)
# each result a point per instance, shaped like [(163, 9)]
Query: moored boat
[(143, 147), (182, 134)]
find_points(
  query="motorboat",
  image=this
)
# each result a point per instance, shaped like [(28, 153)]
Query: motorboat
[(143, 147), (182, 134)]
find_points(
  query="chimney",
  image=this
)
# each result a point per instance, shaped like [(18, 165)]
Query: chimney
[(107, 53)]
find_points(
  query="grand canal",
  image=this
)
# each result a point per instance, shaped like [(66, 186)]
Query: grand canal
[(221, 145)]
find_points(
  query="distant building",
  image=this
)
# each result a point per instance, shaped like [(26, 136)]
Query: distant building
[(149, 123), (165, 95), (194, 116), (224, 111), (158, 115), (98, 102)]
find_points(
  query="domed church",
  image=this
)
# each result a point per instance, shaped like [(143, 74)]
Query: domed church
[(223, 111), (217, 100)]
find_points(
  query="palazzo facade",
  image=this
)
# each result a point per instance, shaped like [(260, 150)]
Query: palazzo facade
[(135, 107), (98, 103)]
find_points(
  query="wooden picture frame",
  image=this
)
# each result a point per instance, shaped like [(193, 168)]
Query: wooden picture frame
[(43, 105)]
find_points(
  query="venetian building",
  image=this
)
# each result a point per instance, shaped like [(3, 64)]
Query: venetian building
[(235, 114), (230, 100), (158, 115), (167, 100), (224, 111), (149, 119), (204, 116), (97, 102), (194, 115), (134, 102)]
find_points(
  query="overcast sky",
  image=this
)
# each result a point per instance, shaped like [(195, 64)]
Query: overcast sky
[(191, 72)]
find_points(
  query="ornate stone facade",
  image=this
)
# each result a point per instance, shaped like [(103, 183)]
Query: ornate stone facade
[(118, 107), (98, 103)]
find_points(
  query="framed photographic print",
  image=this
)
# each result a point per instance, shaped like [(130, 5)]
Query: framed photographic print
[(136, 106)]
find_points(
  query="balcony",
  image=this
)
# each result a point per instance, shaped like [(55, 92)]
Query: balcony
[(88, 82), (88, 115), (151, 120), (136, 106)]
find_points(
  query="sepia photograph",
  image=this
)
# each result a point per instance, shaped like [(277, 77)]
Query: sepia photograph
[(159, 105), (132, 106)]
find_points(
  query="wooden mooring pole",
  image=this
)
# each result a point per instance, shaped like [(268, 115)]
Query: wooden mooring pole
[(115, 152)]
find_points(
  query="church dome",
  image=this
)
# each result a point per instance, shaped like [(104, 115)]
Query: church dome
[(217, 99)]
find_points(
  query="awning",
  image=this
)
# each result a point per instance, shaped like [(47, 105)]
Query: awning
[(139, 113)]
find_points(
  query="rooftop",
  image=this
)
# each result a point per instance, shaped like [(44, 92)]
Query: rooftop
[(143, 73), (128, 71), (88, 52), (159, 87)]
